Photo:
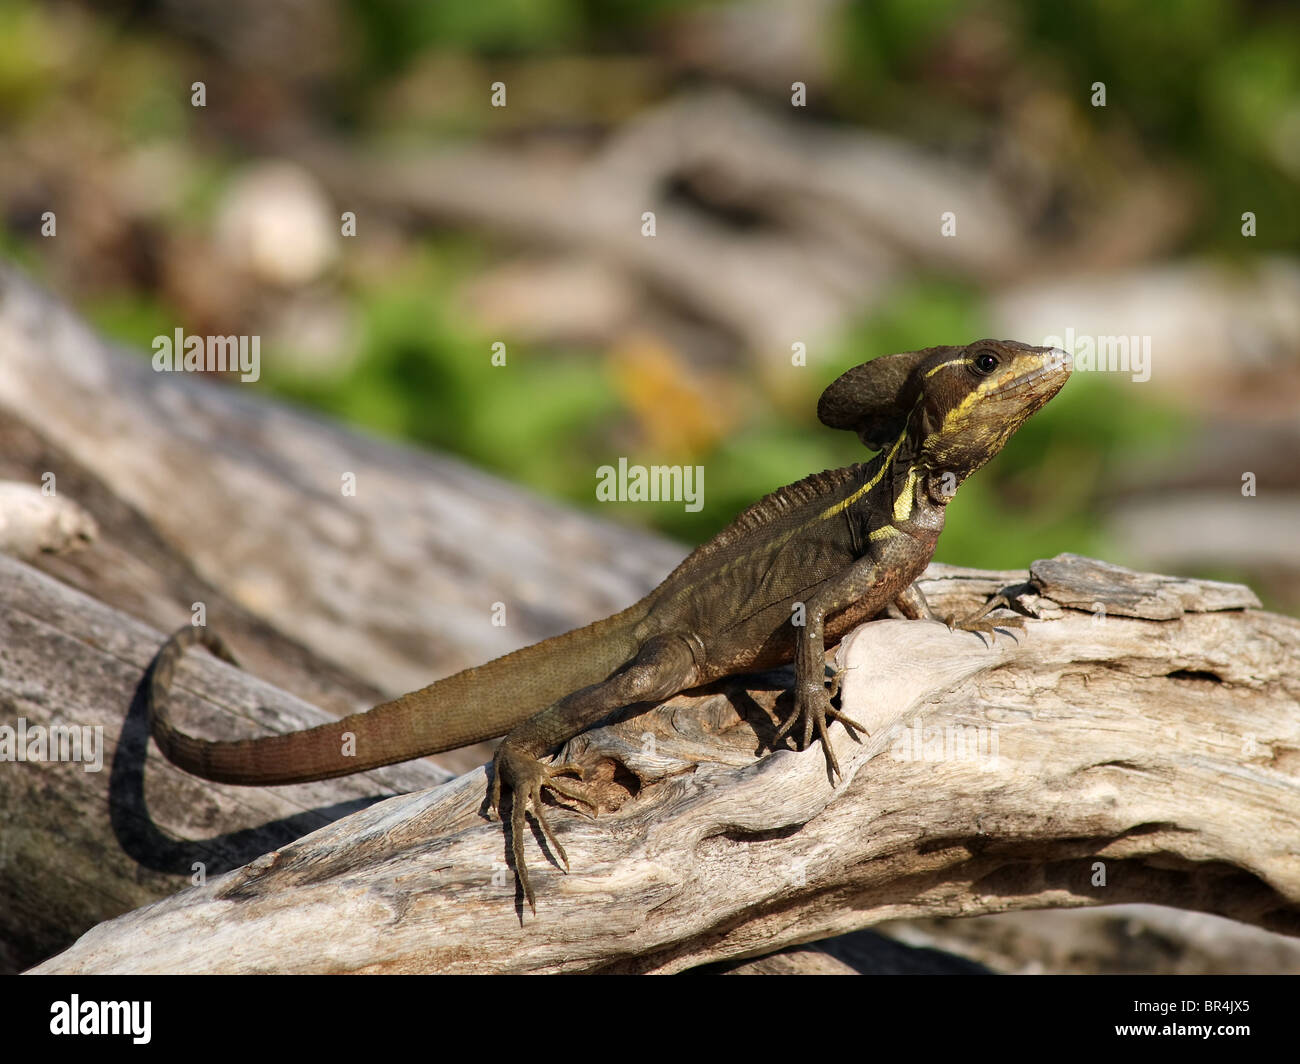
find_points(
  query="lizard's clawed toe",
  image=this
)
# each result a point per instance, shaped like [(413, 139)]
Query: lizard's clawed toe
[(980, 625), (528, 779), (813, 707), (850, 725), (980, 622)]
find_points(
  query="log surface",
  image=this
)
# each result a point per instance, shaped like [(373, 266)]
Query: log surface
[(1093, 761)]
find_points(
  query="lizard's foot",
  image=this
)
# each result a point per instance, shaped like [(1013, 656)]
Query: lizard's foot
[(980, 622), (527, 778), (812, 705), (979, 625)]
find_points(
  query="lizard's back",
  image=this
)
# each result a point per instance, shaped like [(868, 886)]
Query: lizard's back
[(734, 592)]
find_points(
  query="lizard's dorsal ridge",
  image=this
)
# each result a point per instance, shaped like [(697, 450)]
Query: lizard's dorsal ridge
[(777, 504)]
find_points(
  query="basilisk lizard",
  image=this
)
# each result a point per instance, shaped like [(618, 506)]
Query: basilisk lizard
[(844, 544)]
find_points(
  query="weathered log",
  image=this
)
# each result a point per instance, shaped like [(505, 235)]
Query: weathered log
[(1021, 774)]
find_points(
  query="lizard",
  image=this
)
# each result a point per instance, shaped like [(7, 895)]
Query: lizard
[(843, 544)]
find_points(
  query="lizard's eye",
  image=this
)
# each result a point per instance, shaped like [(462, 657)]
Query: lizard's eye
[(985, 362)]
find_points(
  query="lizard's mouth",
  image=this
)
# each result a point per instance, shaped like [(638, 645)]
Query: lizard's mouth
[(1057, 365)]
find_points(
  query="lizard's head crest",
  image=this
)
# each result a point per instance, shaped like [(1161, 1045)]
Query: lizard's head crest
[(960, 404)]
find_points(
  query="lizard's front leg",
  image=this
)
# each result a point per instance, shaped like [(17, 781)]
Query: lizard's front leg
[(979, 621), (913, 605), (663, 666), (862, 581)]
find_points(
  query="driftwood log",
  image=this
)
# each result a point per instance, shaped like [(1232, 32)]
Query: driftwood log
[(1150, 752), (1091, 740)]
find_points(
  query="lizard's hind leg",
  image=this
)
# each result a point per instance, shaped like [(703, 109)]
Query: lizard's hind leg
[(662, 667)]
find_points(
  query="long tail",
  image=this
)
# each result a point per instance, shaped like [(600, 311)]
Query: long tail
[(473, 705)]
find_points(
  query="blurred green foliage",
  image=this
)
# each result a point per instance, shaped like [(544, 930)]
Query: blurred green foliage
[(1210, 86), (393, 32), (421, 375), (131, 317)]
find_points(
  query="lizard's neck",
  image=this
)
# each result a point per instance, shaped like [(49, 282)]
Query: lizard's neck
[(914, 496), (937, 479)]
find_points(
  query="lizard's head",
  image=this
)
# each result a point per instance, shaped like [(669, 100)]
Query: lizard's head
[(959, 405)]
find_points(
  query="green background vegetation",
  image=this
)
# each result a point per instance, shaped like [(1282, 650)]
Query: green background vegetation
[(1202, 85)]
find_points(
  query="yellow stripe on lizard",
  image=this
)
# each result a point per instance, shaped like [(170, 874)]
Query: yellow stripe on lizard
[(903, 504), (844, 504), (943, 365)]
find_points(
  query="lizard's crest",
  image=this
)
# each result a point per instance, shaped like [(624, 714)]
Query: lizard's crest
[(960, 404), (875, 398)]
